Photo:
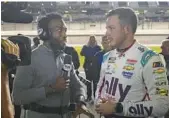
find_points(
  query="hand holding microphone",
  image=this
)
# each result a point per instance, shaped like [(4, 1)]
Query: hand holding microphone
[(61, 84)]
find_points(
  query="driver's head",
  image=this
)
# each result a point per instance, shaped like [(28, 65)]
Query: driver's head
[(121, 25)]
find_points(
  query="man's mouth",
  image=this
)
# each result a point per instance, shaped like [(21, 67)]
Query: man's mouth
[(110, 39), (65, 37)]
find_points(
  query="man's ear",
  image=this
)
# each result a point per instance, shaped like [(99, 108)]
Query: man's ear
[(127, 29)]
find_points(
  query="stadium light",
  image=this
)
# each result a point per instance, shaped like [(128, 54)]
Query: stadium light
[(137, 12), (84, 11), (66, 11)]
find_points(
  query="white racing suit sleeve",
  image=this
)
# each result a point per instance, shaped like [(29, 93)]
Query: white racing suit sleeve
[(100, 86), (155, 79)]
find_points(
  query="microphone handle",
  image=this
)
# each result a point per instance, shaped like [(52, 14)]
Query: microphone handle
[(65, 75)]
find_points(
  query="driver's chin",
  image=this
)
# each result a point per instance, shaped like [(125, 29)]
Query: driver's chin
[(113, 43)]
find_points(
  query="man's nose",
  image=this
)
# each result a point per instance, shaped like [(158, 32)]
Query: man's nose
[(108, 33), (64, 32)]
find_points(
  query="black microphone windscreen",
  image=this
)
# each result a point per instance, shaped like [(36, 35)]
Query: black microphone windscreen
[(67, 66), (24, 44), (67, 59), (67, 63), (11, 16)]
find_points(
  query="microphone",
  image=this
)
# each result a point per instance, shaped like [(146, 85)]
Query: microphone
[(67, 67), (66, 75)]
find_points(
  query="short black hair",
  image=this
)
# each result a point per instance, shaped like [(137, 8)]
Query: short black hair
[(52, 16), (43, 25), (126, 16), (44, 21)]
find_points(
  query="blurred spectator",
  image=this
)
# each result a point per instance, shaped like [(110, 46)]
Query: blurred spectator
[(97, 61), (165, 53), (88, 51), (36, 42)]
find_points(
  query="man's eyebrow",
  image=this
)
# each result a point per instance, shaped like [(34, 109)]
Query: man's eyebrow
[(56, 26), (110, 26)]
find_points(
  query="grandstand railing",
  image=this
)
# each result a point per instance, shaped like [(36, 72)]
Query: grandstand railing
[(89, 32), (143, 25)]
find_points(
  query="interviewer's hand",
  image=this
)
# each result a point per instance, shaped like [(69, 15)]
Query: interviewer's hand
[(61, 84), (106, 107)]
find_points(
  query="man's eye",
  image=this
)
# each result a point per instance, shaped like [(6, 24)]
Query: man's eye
[(112, 28), (65, 29)]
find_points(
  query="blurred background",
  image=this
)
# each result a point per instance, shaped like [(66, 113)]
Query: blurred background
[(88, 18), (84, 19)]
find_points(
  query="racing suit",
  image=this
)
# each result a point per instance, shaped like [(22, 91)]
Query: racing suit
[(137, 78)]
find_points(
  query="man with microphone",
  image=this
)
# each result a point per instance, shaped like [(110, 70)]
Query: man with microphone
[(43, 88)]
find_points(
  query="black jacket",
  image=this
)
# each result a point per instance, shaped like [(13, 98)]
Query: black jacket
[(75, 58)]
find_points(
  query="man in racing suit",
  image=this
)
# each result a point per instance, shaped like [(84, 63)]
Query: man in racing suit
[(133, 81)]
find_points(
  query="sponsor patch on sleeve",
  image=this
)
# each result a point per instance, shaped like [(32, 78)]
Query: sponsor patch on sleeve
[(161, 83), (157, 64), (159, 71), (162, 91), (147, 56)]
